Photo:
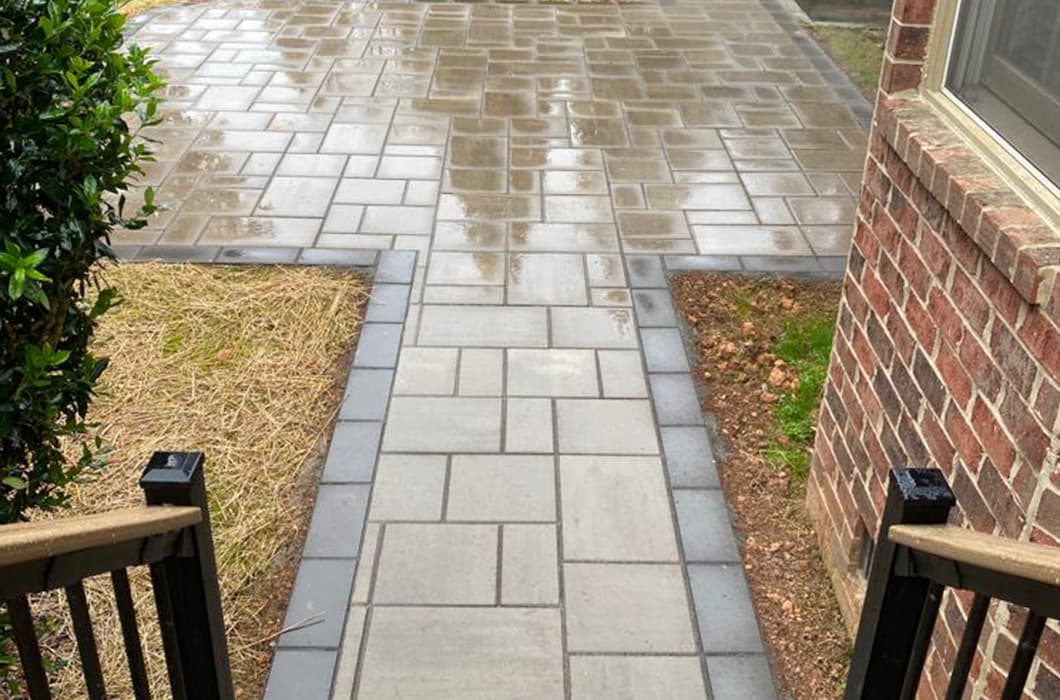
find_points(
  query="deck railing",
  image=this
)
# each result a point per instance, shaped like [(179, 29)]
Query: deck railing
[(917, 557), (171, 536)]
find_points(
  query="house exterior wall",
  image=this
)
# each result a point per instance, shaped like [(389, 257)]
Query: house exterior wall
[(947, 354)]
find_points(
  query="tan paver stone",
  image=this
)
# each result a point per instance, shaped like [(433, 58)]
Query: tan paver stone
[(606, 427), (574, 327), (552, 373), (528, 426), (546, 279), (529, 569), (627, 608), (481, 372), (444, 653), (492, 326), (440, 564)]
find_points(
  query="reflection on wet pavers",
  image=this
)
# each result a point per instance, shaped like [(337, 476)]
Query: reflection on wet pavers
[(676, 127)]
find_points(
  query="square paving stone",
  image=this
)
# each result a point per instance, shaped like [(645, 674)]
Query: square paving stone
[(616, 509), (689, 457), (741, 678), (646, 271), (426, 371), (606, 427), (367, 391), (640, 608), (675, 398), (301, 673), (706, 531), (430, 424), (552, 373), (466, 653), (408, 487), (636, 678), (654, 308), (530, 566), (377, 345), (497, 488), (726, 616), (338, 521), (351, 456), (481, 372), (622, 374), (321, 591), (441, 564), (664, 350), (388, 304), (396, 266), (574, 327), (483, 326)]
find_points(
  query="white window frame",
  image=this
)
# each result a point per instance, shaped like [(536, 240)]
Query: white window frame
[(1023, 176)]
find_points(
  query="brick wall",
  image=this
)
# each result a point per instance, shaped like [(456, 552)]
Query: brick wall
[(947, 354)]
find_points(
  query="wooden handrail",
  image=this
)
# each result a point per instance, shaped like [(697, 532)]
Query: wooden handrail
[(1036, 562), (25, 542)]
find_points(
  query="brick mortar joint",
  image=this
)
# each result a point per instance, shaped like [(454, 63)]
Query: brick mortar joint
[(904, 120)]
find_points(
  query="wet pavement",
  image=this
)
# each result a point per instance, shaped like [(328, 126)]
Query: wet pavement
[(535, 482)]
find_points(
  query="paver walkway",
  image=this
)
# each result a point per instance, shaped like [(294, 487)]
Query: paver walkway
[(545, 520)]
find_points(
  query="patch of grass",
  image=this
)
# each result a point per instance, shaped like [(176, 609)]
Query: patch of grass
[(857, 49), (805, 344)]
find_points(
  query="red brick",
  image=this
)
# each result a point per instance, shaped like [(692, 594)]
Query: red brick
[(958, 383), (963, 437), (997, 444), (1042, 338), (914, 11)]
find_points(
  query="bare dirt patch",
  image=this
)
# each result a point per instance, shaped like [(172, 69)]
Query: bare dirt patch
[(742, 329), (246, 364)]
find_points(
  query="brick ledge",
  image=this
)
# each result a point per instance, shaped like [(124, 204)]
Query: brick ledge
[(1015, 238)]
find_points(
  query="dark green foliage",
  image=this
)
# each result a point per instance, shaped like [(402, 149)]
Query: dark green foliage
[(805, 345), (66, 154)]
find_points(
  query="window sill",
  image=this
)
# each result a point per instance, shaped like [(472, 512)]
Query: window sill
[(1019, 242)]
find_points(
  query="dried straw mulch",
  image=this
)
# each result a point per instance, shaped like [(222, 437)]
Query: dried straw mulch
[(245, 364)]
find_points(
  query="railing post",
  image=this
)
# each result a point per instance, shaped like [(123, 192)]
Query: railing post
[(893, 604), (186, 589)]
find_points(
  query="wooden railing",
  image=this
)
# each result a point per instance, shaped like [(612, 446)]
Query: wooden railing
[(170, 535), (917, 557)]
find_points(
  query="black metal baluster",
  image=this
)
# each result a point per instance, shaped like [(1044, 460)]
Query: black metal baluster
[(28, 648), (130, 634), (166, 623), (1025, 651), (923, 640), (962, 665), (86, 641)]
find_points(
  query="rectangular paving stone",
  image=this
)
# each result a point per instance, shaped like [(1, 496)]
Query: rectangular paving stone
[(486, 326), (664, 350), (321, 592), (388, 304), (530, 565), (301, 673), (442, 653), (605, 426), (546, 279), (689, 457), (639, 608), (622, 374), (498, 488), (528, 426), (645, 271), (408, 487), (352, 453), (481, 372), (396, 266), (574, 327), (439, 564), (430, 424), (552, 373), (349, 653), (723, 607), (654, 308), (616, 509), (367, 392), (706, 531), (675, 399), (338, 521), (377, 345), (426, 371), (742, 677), (638, 677)]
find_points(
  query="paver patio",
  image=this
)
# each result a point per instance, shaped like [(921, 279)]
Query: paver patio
[(544, 518)]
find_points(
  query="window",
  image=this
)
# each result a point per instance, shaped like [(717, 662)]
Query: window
[(1004, 66)]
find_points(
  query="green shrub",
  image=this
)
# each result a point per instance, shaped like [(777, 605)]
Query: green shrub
[(66, 156)]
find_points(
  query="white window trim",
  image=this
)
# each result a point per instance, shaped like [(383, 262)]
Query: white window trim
[(1018, 172)]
